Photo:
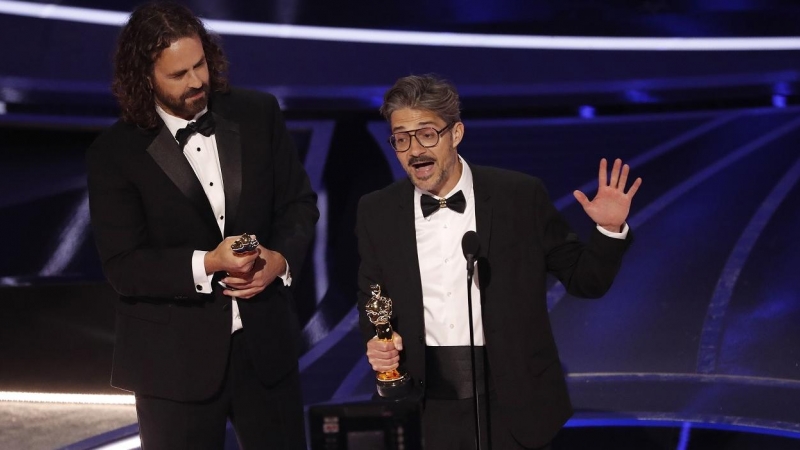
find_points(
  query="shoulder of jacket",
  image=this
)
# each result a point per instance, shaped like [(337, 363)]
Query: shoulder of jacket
[(240, 96), (388, 193), (122, 136), (503, 177)]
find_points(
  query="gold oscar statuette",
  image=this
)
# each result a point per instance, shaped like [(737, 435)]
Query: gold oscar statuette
[(393, 384), (244, 244)]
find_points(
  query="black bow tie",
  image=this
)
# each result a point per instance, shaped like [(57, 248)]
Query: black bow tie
[(456, 202), (204, 125)]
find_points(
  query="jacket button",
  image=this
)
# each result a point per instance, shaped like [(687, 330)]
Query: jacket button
[(421, 339)]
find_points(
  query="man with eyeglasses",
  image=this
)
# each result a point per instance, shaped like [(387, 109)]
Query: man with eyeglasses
[(409, 237)]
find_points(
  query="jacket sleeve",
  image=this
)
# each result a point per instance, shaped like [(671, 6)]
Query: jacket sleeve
[(369, 270), (119, 224), (585, 269)]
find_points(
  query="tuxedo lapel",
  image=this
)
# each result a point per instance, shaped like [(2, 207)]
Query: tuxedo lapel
[(229, 149), (406, 241), (166, 153), (483, 208)]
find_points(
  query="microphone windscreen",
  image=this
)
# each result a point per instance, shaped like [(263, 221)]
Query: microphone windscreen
[(470, 244)]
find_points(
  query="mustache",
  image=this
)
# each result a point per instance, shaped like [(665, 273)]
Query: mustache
[(420, 159), (193, 92)]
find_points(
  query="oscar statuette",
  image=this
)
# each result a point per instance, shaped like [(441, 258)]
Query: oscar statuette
[(244, 244), (393, 384)]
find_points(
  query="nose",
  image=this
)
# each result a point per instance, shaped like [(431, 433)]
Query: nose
[(416, 148), (194, 80)]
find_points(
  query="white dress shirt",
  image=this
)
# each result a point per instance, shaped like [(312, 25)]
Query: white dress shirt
[(443, 269), (202, 154)]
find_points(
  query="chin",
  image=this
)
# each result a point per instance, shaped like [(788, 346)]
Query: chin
[(193, 109), (426, 184), (198, 104), (422, 184), (428, 187)]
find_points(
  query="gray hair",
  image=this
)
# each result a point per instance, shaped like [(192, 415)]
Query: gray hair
[(428, 92)]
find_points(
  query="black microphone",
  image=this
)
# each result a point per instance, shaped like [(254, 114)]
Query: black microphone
[(470, 245)]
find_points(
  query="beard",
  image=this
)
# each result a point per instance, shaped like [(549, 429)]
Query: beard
[(180, 106), (431, 183), (434, 181)]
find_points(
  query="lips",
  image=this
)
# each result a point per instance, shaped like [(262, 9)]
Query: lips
[(422, 169), (419, 160), (195, 95)]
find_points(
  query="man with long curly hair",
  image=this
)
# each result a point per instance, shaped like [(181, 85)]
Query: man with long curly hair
[(182, 190)]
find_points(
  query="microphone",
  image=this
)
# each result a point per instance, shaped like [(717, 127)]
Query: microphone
[(470, 245)]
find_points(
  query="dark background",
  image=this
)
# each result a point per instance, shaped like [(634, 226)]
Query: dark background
[(700, 326)]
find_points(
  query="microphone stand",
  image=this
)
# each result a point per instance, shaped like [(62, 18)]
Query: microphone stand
[(470, 270)]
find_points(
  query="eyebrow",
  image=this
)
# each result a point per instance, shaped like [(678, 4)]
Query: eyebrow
[(420, 124)]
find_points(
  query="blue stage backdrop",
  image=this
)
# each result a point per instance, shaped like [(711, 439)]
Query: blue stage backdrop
[(700, 325)]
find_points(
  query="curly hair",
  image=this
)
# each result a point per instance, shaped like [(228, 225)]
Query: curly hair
[(150, 29), (429, 92)]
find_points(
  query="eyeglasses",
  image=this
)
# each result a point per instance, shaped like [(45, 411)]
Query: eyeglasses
[(427, 137)]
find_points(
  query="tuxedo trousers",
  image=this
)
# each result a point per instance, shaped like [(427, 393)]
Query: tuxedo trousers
[(262, 416), (448, 416), (450, 425)]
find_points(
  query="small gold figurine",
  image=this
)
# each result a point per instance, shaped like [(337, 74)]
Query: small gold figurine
[(393, 383), (244, 244)]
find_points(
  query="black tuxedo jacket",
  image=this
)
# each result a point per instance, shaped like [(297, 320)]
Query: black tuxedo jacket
[(149, 214), (523, 238)]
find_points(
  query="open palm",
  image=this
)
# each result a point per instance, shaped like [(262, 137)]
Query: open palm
[(610, 206)]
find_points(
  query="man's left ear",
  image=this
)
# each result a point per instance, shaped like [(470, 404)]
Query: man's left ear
[(458, 133)]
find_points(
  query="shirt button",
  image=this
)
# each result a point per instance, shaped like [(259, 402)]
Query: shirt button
[(447, 260), (452, 326), (221, 217), (198, 149), (211, 183), (199, 288), (445, 225), (449, 293)]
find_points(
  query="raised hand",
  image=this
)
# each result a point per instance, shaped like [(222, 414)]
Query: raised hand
[(610, 206)]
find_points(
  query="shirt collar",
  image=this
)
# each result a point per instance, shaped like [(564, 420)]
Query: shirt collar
[(464, 183), (175, 123)]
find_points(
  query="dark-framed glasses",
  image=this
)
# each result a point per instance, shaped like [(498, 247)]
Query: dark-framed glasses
[(427, 137)]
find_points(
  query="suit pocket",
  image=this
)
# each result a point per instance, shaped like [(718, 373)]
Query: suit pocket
[(146, 311)]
